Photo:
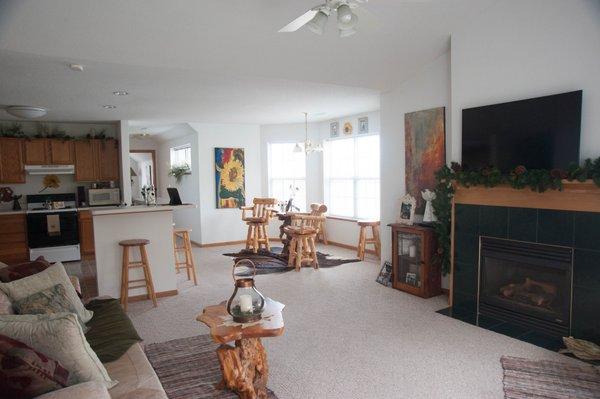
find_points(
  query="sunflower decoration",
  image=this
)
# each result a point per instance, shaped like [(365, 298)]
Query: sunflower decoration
[(50, 181), (230, 177)]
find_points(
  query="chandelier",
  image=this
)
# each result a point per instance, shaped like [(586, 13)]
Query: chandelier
[(309, 146)]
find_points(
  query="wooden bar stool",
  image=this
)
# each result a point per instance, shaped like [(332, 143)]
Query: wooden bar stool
[(143, 264), (302, 248), (258, 223), (186, 249), (363, 240)]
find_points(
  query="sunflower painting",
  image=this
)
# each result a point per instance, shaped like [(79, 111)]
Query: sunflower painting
[(230, 177)]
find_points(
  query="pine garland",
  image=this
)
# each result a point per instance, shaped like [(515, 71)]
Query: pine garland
[(538, 180)]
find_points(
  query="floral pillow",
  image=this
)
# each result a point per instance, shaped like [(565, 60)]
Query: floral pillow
[(26, 373), (48, 301), (17, 272)]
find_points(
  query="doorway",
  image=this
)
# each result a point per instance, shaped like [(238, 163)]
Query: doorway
[(142, 164)]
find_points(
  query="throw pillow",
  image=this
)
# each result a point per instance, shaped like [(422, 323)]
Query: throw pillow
[(5, 304), (26, 373), (58, 336), (52, 300), (16, 272), (50, 277)]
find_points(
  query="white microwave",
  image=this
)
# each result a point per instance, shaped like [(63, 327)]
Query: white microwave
[(104, 196)]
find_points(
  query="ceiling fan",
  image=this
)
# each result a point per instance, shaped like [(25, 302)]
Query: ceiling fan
[(316, 18)]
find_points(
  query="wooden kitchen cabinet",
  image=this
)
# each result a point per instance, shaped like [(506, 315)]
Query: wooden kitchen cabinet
[(97, 160), (61, 152), (86, 235), (36, 151), (11, 160), (13, 239)]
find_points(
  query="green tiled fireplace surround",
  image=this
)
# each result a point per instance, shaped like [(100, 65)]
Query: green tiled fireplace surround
[(580, 230)]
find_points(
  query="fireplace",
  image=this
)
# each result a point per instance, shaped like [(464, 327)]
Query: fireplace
[(527, 284)]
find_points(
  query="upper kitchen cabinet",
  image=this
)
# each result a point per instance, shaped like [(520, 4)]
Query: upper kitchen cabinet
[(48, 152), (97, 160), (11, 160)]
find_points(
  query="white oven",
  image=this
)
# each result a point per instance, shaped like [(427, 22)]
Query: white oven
[(104, 196)]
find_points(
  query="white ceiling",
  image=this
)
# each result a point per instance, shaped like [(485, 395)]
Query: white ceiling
[(213, 60)]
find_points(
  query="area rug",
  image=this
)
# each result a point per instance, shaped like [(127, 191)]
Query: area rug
[(544, 379), (188, 368), (272, 262)]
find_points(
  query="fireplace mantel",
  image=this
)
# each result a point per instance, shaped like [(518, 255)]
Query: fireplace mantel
[(575, 196)]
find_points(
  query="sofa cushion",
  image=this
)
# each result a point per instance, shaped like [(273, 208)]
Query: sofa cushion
[(5, 304), (21, 270), (53, 275), (25, 372), (111, 332), (87, 390), (137, 378), (60, 337)]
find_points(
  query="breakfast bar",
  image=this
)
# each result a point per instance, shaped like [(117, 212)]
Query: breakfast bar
[(153, 223)]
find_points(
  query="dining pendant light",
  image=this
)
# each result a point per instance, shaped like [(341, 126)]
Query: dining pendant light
[(317, 24)]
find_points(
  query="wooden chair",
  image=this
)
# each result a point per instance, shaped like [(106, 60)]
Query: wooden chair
[(258, 222), (363, 240), (143, 264), (319, 210), (303, 231), (185, 248)]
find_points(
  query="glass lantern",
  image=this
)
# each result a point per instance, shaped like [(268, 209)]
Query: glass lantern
[(246, 304)]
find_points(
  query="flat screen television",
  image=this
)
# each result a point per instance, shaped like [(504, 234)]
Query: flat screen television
[(539, 133)]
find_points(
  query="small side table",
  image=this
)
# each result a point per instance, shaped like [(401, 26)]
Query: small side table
[(244, 366)]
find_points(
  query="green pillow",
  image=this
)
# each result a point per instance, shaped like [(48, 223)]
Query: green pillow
[(111, 333)]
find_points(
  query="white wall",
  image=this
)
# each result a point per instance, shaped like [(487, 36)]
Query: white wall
[(33, 184), (220, 225), (429, 88), (517, 50)]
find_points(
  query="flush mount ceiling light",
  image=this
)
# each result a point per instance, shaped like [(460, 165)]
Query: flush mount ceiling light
[(120, 92), (316, 18), (109, 106), (25, 111)]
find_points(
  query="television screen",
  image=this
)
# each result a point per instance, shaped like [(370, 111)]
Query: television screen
[(539, 133)]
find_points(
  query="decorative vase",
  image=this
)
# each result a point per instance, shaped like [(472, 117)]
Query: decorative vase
[(429, 215)]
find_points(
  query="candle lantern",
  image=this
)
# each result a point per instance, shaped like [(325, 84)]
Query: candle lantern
[(246, 304)]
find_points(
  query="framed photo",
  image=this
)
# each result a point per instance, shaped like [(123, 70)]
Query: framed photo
[(348, 128), (407, 209), (334, 129), (363, 125), (385, 275)]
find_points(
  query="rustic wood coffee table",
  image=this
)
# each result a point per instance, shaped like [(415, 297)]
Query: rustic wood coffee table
[(244, 366)]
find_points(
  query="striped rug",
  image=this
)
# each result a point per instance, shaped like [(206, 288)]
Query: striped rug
[(544, 379), (188, 368)]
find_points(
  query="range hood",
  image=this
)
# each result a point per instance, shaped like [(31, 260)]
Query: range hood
[(50, 169)]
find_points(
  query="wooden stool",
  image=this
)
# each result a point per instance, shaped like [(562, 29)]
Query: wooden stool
[(258, 223), (127, 264), (186, 248), (363, 240), (302, 248)]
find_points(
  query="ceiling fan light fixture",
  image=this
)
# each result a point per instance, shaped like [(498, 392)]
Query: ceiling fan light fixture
[(344, 14), (26, 111), (347, 24), (317, 24)]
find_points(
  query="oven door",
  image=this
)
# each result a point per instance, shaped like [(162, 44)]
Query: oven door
[(66, 234)]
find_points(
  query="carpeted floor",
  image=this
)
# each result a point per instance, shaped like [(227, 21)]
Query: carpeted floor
[(347, 336)]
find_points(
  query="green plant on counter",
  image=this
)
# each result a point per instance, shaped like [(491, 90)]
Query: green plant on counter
[(178, 171), (538, 180)]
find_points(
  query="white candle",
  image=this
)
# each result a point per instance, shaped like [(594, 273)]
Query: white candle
[(405, 247), (412, 251), (246, 303)]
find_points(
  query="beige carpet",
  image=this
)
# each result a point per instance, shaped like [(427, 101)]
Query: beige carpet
[(347, 336)]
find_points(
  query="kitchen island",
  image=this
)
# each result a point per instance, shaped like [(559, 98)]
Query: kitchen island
[(154, 223)]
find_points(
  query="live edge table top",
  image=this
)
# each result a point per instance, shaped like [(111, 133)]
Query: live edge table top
[(223, 329)]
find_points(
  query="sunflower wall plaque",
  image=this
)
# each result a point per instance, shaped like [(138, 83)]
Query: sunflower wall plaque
[(230, 177)]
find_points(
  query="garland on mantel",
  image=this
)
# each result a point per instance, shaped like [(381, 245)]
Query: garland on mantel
[(538, 180)]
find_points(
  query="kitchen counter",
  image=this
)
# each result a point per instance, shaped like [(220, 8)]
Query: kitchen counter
[(97, 211), (11, 212)]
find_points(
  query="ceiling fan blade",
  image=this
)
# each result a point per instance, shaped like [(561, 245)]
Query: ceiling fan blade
[(299, 22)]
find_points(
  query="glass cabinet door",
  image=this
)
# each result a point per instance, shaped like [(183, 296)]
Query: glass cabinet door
[(409, 259)]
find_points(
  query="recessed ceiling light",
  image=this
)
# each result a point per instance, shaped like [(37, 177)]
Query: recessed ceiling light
[(109, 106), (120, 93), (76, 67)]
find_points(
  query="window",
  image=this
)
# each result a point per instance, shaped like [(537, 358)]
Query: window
[(287, 170), (351, 177), (181, 155)]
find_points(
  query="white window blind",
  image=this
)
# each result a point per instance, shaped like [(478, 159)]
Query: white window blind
[(181, 155), (287, 171), (351, 177)]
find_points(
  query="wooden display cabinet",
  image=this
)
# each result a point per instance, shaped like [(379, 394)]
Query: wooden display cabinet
[(413, 271)]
